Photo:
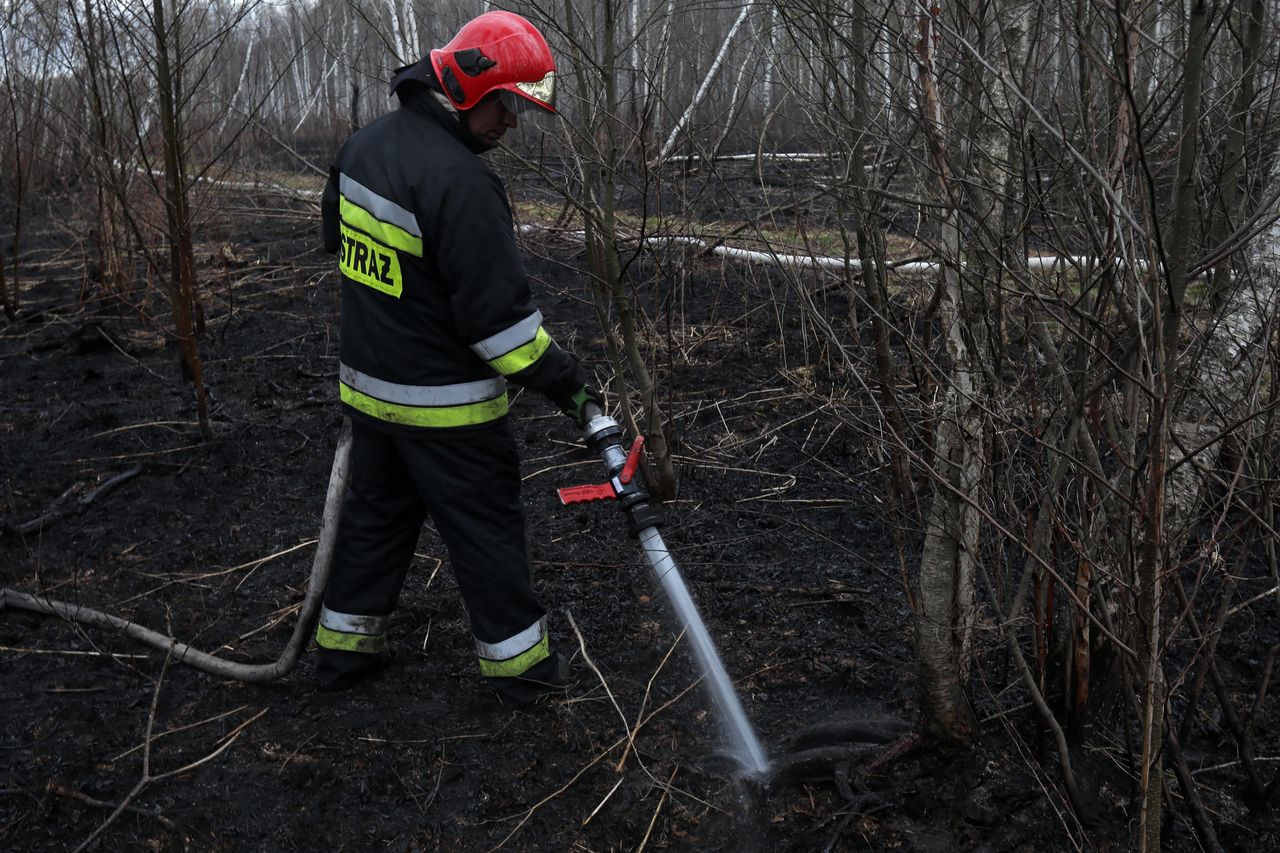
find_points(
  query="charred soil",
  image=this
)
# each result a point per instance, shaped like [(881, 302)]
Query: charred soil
[(778, 526)]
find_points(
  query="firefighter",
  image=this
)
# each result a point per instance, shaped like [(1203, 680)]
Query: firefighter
[(437, 317)]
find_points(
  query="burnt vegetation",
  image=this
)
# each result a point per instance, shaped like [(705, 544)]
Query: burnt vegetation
[(952, 329)]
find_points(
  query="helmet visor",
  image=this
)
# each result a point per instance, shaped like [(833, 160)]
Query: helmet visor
[(515, 104), (542, 91)]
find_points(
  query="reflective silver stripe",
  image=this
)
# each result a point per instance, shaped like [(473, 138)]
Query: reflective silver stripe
[(512, 646), (509, 338), (422, 395), (349, 623), (382, 208)]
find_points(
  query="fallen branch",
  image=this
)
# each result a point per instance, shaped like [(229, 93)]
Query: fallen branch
[(64, 505), (911, 266), (147, 777)]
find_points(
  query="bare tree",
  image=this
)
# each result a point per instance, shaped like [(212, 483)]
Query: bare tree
[(26, 84), (1083, 403)]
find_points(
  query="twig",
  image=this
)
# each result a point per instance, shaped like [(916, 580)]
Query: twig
[(199, 576), (120, 350), (661, 800), (1242, 605), (168, 732), (631, 734), (142, 454), (616, 786), (132, 427), (63, 506), (146, 760), (71, 652), (55, 788), (582, 645), (254, 565), (549, 797), (296, 750), (832, 592), (1237, 727), (436, 790), (1229, 764), (1264, 682), (524, 817), (276, 618), (439, 562), (147, 777), (228, 739), (1199, 817)]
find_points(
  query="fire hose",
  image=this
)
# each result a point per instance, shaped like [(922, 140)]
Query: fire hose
[(603, 436)]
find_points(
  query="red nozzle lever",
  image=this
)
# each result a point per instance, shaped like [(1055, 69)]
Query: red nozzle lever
[(604, 491), (584, 494), (633, 460)]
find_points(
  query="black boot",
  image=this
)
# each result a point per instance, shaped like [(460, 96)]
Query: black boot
[(342, 670), (549, 677)]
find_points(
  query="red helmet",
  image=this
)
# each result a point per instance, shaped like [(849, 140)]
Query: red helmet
[(497, 50)]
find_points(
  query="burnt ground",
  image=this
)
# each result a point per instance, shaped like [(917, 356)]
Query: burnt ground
[(777, 526)]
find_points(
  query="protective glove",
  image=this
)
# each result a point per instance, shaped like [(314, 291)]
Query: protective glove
[(581, 402)]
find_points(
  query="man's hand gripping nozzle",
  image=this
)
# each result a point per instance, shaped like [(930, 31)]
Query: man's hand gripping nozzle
[(603, 436)]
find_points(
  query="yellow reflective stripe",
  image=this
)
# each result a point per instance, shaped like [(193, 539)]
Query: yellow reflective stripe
[(523, 356), (392, 235), (425, 416), (520, 663), (327, 638)]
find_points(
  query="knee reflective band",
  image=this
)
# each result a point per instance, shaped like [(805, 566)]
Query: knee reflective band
[(464, 404), (516, 347), (514, 655), (347, 632)]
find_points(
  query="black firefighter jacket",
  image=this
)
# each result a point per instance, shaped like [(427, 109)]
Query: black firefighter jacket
[(436, 308)]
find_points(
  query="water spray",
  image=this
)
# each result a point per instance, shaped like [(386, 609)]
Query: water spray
[(603, 435)]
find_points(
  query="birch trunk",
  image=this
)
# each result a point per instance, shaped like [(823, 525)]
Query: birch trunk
[(770, 57), (652, 114), (946, 578), (670, 144)]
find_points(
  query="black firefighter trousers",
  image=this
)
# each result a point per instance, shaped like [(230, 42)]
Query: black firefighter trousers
[(470, 486)]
